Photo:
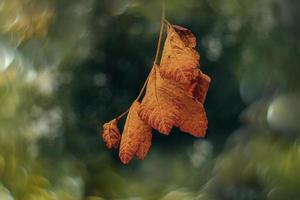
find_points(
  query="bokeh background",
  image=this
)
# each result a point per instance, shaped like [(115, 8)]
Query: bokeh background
[(66, 67)]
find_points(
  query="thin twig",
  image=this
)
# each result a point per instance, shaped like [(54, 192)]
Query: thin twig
[(167, 22), (122, 115), (143, 88), (160, 32), (162, 21)]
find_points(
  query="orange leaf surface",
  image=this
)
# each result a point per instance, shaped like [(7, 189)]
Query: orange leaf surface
[(175, 93), (193, 118), (136, 137), (179, 60), (160, 106), (199, 87), (166, 104), (111, 135), (145, 145), (186, 36)]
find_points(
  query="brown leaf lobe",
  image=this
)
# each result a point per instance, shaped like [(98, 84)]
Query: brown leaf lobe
[(199, 87), (136, 137), (111, 135), (179, 60), (160, 106)]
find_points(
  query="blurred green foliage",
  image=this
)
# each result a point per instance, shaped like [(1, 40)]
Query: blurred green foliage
[(66, 67)]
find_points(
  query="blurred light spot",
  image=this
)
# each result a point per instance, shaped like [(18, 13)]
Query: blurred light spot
[(30, 75), (7, 56), (5, 194), (46, 82), (234, 24), (100, 79), (214, 47), (202, 150), (284, 113), (47, 124)]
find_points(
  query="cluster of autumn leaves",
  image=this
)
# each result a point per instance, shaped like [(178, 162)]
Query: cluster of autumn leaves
[(174, 97)]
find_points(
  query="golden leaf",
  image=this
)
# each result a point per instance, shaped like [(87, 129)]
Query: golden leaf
[(199, 87), (160, 106), (179, 60), (111, 135), (136, 137)]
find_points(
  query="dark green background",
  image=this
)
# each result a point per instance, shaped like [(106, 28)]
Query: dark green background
[(67, 67)]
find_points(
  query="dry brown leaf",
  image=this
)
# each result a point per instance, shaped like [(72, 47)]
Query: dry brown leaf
[(186, 36), (193, 118), (166, 104), (199, 87), (111, 135), (145, 145), (136, 137), (160, 106), (174, 96), (179, 60)]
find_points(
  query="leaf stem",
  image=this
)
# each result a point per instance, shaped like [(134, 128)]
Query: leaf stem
[(162, 21), (160, 32), (143, 88), (122, 115), (167, 22)]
